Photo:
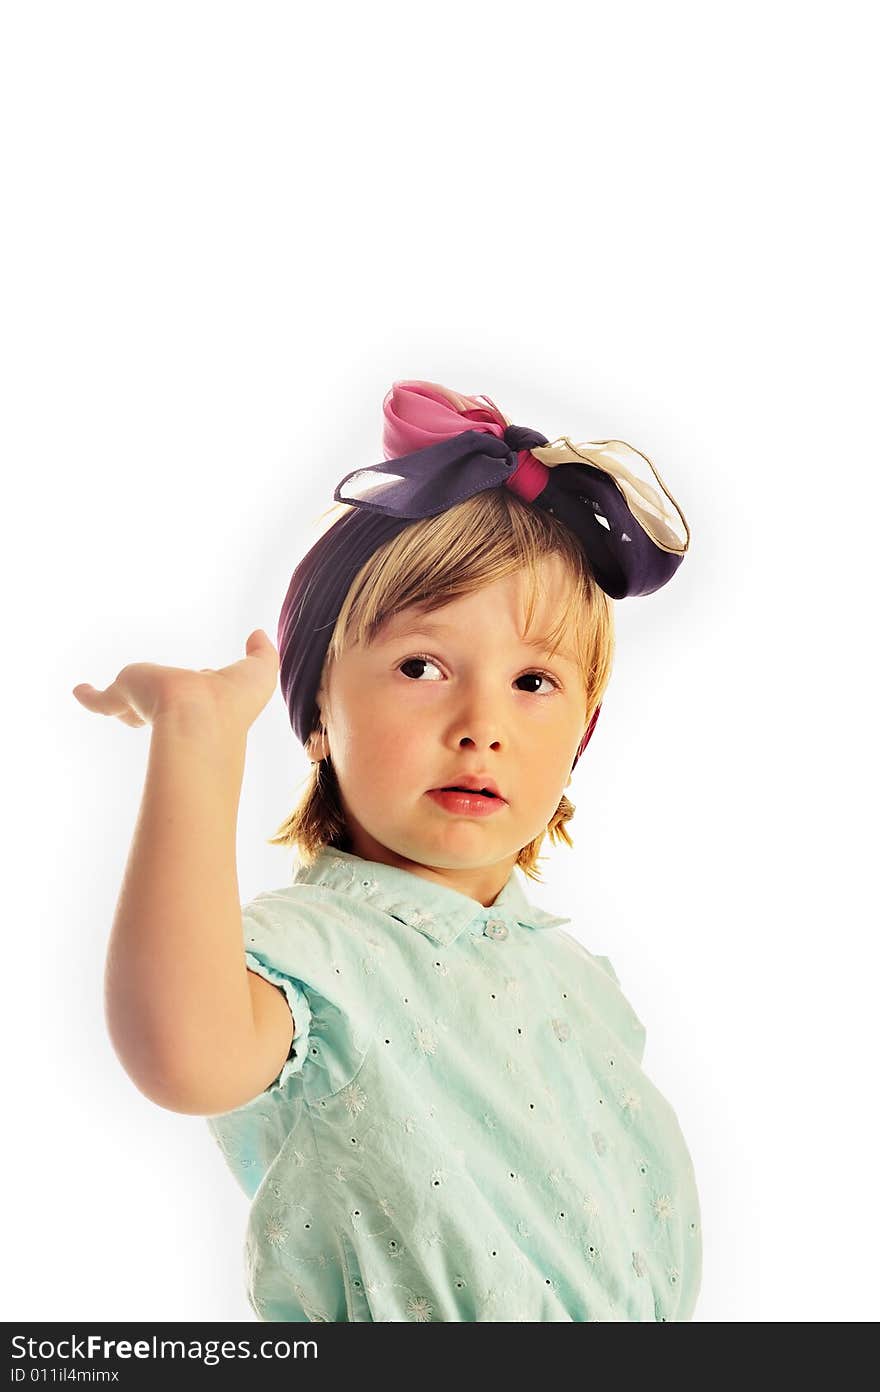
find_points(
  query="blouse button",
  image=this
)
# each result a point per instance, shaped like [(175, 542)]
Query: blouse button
[(495, 929)]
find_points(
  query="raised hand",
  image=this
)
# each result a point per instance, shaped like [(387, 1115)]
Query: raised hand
[(145, 692)]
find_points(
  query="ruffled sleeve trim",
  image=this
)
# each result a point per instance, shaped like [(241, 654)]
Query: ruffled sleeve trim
[(299, 1009)]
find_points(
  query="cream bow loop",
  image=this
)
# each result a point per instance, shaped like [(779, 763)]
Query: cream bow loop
[(645, 503)]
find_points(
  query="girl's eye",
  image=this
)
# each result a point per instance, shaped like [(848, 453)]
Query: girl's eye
[(423, 660)]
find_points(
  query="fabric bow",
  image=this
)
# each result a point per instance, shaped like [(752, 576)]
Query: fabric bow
[(447, 447)]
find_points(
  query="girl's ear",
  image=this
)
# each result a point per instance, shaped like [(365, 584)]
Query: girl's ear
[(318, 746)]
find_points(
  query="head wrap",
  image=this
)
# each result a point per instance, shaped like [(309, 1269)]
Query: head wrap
[(447, 447)]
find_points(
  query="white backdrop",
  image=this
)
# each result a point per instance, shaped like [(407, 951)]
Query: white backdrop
[(228, 229)]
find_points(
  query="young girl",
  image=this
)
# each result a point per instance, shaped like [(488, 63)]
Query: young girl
[(431, 1092)]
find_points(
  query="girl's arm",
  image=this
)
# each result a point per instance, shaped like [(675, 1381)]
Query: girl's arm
[(193, 1028)]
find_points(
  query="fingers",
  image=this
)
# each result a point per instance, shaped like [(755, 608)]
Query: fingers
[(108, 702)]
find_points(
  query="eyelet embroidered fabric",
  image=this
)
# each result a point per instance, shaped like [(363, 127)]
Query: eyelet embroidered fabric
[(463, 1130)]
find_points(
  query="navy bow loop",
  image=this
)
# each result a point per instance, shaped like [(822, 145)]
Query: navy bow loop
[(432, 480)]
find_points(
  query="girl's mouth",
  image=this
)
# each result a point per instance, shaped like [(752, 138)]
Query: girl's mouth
[(466, 802)]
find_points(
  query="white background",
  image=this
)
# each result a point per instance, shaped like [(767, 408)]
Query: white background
[(228, 228)]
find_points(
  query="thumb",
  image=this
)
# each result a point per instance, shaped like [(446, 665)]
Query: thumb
[(259, 639)]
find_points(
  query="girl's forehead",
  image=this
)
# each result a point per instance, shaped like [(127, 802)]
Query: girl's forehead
[(436, 625), (549, 603)]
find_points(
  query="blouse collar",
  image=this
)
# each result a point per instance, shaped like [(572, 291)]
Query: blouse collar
[(435, 910)]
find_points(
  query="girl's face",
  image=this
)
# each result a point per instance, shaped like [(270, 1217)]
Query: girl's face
[(453, 692)]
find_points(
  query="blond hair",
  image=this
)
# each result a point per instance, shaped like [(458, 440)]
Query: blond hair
[(430, 563)]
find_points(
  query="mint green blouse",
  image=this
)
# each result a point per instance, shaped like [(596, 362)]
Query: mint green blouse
[(463, 1129)]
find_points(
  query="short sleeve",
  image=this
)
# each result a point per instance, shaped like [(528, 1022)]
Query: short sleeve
[(306, 945), (308, 949), (630, 1029), (604, 993), (605, 964), (300, 1010)]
